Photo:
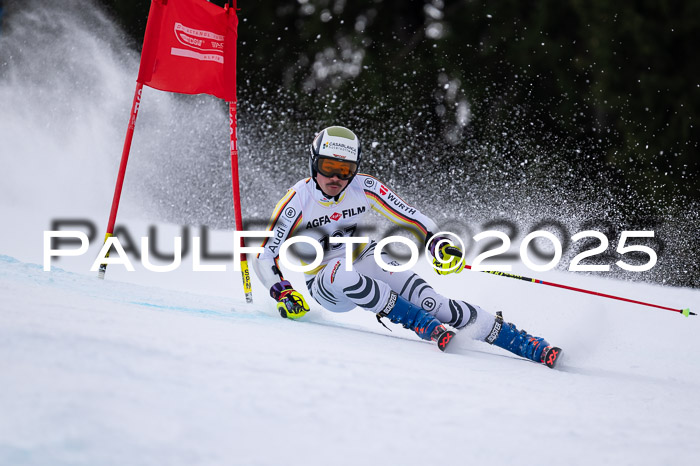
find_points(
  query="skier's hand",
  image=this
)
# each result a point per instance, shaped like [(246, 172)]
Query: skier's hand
[(290, 303), (446, 257)]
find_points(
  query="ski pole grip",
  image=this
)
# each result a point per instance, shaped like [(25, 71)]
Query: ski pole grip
[(453, 251)]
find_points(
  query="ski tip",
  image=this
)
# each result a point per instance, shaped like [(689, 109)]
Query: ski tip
[(444, 340), (551, 356)]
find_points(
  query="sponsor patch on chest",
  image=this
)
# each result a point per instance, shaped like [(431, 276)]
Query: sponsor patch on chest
[(326, 219)]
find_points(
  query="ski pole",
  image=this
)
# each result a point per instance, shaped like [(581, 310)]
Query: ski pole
[(456, 252)]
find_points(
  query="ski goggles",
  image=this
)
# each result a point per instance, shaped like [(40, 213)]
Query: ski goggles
[(343, 169)]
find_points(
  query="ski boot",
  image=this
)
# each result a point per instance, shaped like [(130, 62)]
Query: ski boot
[(508, 337), (417, 319)]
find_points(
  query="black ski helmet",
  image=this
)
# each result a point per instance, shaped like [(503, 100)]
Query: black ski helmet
[(335, 142)]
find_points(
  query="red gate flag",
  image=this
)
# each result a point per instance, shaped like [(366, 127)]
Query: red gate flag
[(190, 47)]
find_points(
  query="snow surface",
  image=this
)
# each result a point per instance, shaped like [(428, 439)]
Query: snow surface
[(175, 368), (109, 372)]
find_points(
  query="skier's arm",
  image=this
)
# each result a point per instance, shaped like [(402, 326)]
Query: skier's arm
[(389, 204), (285, 218)]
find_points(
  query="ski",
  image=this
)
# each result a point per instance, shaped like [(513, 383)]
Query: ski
[(444, 339), (550, 356)]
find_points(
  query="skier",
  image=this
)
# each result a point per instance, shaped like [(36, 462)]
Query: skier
[(331, 204)]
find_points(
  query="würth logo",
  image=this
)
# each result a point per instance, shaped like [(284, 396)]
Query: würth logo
[(383, 190), (335, 217)]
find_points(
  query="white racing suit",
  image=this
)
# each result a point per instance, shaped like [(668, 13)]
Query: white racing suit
[(305, 210)]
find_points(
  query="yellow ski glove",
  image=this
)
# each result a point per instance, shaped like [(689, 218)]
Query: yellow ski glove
[(290, 303), (446, 258)]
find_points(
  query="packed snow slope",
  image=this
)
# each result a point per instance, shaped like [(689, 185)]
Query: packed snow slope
[(174, 368), (110, 372)]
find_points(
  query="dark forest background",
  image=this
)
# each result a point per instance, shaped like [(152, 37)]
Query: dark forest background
[(619, 79)]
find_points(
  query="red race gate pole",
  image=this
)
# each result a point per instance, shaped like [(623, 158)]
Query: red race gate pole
[(122, 171), (245, 272)]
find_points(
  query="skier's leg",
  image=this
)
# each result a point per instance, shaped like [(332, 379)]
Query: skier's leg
[(466, 317), (340, 290), (507, 336), (409, 285)]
